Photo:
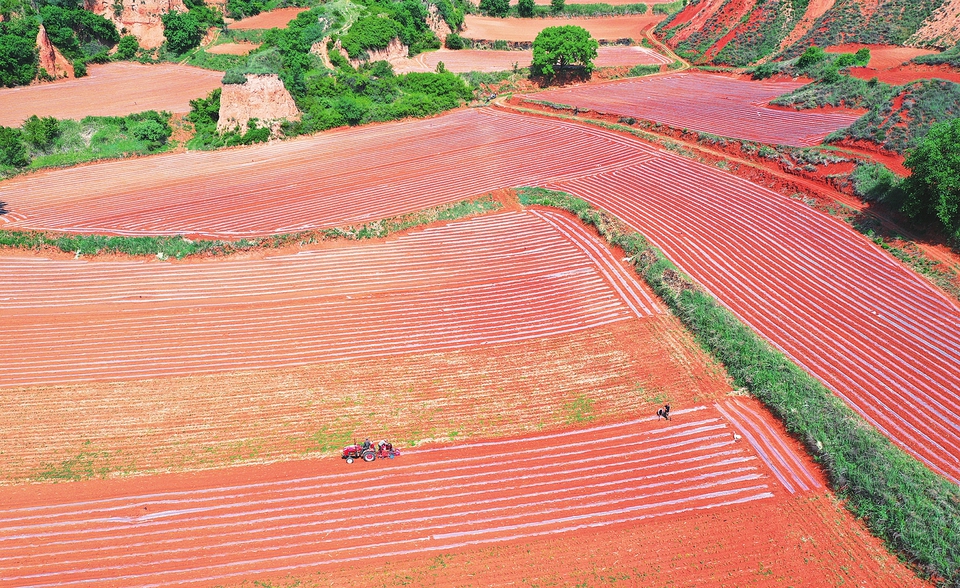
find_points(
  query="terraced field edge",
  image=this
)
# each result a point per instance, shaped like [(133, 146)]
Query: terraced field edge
[(180, 247), (916, 512)]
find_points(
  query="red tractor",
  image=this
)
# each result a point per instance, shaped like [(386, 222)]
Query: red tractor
[(383, 450)]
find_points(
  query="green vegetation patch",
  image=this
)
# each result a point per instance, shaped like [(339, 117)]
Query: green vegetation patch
[(916, 512), (949, 57), (905, 117), (179, 247), (49, 142)]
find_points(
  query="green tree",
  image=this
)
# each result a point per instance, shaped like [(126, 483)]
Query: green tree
[(525, 8), (182, 30), (18, 53), (557, 6), (563, 47), (498, 8), (12, 150), (933, 188)]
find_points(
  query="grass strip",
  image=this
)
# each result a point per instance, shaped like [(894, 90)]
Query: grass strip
[(179, 247), (916, 512)]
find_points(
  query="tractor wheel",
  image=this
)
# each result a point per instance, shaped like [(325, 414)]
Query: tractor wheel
[(349, 460), (369, 455)]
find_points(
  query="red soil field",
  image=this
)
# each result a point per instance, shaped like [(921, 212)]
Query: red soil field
[(874, 332), (526, 29), (327, 521), (482, 60), (877, 334), (714, 104), (325, 180), (496, 279), (907, 73), (112, 89), (278, 18), (625, 369), (232, 48)]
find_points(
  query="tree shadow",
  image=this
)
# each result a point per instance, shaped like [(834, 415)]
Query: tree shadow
[(3, 208), (566, 75)]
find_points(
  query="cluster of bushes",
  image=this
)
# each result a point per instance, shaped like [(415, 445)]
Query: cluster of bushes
[(405, 20), (81, 36), (184, 30), (47, 141), (949, 57), (529, 9), (904, 117), (930, 195), (914, 510), (814, 63), (374, 93), (18, 52)]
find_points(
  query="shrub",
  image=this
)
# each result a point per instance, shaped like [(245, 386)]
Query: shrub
[(525, 8), (151, 132), (127, 48), (764, 71), (13, 152), (557, 6), (454, 41), (233, 76), (873, 181), (40, 133), (643, 70), (812, 55)]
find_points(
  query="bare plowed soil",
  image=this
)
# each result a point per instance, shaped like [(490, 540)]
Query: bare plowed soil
[(640, 500), (112, 89), (475, 60), (714, 104), (278, 18), (526, 29), (232, 48)]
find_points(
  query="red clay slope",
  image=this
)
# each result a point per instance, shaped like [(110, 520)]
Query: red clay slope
[(331, 518), (714, 104), (495, 279)]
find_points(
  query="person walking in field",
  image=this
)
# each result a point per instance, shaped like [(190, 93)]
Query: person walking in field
[(664, 412)]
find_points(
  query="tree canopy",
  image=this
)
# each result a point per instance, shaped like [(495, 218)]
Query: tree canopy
[(933, 188), (498, 8), (182, 30), (561, 47), (18, 52)]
